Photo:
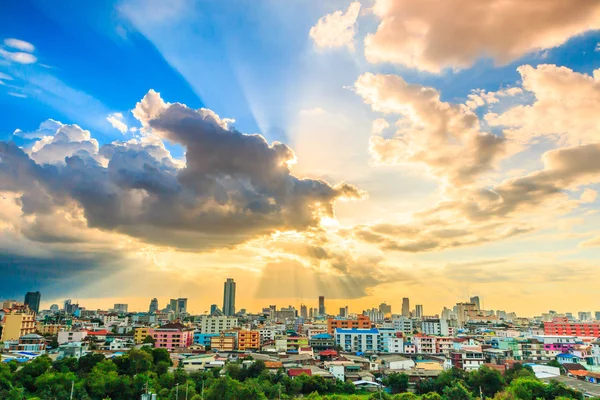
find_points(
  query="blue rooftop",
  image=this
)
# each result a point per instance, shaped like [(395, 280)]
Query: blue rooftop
[(322, 336), (566, 355), (355, 330)]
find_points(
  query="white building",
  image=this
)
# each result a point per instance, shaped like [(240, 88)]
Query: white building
[(396, 345), (402, 324), (431, 327), (357, 340), (397, 363), (210, 324), (71, 336)]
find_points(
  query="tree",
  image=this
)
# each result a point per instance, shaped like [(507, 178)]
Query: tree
[(489, 380), (54, 385), (139, 362), (31, 370), (457, 392), (556, 389), (149, 339), (431, 396), (405, 396), (398, 383), (88, 362), (527, 389), (518, 370)]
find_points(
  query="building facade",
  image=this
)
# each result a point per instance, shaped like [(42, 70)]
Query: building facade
[(229, 297), (361, 322)]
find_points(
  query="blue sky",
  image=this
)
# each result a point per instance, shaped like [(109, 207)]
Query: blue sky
[(319, 77)]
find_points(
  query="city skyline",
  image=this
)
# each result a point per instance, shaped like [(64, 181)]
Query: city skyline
[(362, 151)]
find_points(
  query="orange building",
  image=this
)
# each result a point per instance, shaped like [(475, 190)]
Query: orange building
[(248, 340), (223, 342), (362, 322)]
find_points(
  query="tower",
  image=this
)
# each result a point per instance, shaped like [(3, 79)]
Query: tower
[(405, 307), (321, 305), (153, 306), (32, 299), (229, 297)]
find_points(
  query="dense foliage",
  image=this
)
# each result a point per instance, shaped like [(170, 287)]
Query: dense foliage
[(93, 377)]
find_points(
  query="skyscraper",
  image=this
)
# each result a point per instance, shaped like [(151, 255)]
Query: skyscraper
[(321, 305), (153, 306), (303, 311), (181, 306), (419, 311), (173, 305), (229, 297), (32, 300), (121, 308), (213, 308), (405, 307), (475, 300), (385, 309)]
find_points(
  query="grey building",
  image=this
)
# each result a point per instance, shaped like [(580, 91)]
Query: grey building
[(32, 300), (229, 297)]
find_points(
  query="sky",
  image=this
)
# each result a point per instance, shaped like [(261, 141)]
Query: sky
[(364, 151)]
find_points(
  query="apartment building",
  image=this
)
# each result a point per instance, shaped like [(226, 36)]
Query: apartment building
[(17, 323), (361, 322), (140, 334), (357, 340), (172, 336), (223, 342), (248, 340), (216, 324), (563, 327)]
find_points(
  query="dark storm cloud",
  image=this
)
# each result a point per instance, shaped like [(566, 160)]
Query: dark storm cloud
[(55, 275), (234, 186)]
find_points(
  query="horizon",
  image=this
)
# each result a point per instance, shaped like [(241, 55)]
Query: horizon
[(363, 151)]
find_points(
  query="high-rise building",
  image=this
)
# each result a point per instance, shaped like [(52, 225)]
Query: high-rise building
[(213, 308), (67, 305), (229, 297), (419, 311), (32, 300), (181, 306), (120, 307), (310, 312), (153, 306), (475, 300), (172, 305), (597, 316), (342, 313), (321, 305), (385, 309), (303, 311), (405, 307)]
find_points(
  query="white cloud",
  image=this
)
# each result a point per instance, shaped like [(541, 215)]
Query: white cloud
[(5, 77), (336, 29), (565, 107), (588, 196), (19, 45), (20, 95), (116, 120), (432, 35), (18, 57)]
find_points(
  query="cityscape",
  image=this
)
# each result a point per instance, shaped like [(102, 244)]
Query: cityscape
[(336, 345), (299, 199)]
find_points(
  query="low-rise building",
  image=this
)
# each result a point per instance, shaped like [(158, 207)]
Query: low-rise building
[(141, 333), (320, 342), (198, 362), (71, 336), (248, 340), (173, 335), (216, 324), (357, 340), (361, 322), (17, 323), (223, 342), (468, 359)]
